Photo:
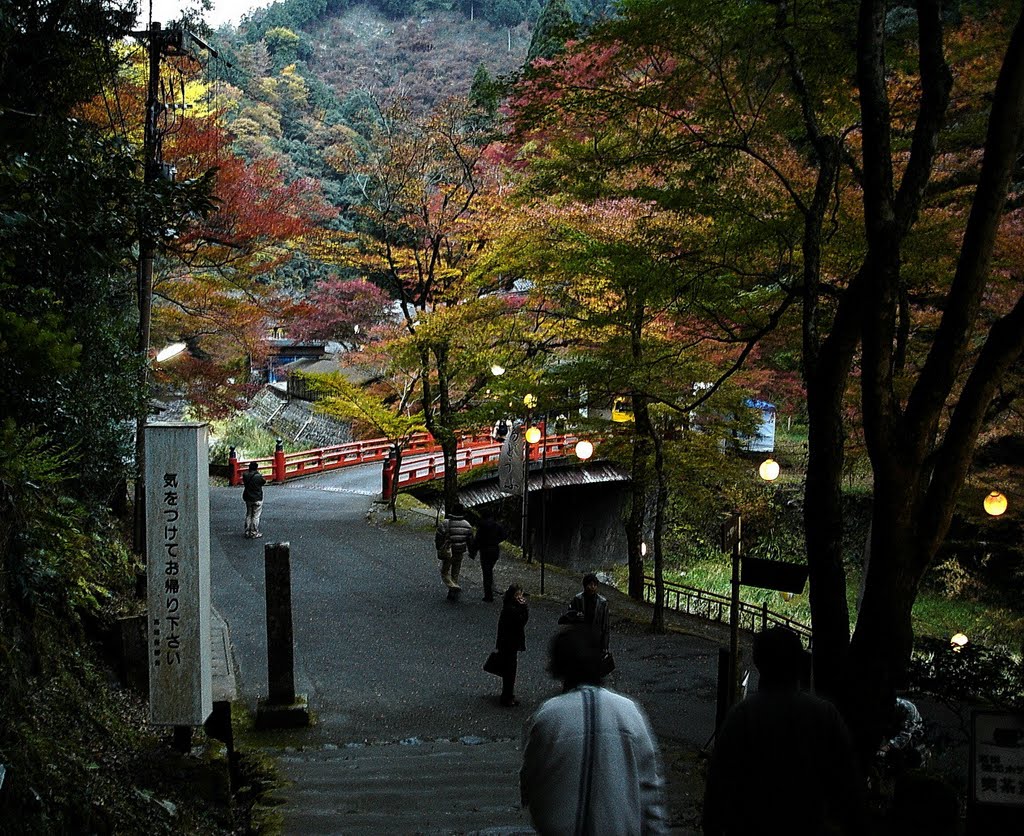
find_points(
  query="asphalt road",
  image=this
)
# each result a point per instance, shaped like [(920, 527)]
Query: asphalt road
[(384, 657)]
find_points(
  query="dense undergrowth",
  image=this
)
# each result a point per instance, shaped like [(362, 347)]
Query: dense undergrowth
[(77, 752)]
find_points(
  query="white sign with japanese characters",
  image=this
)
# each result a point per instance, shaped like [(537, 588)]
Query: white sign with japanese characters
[(997, 758), (178, 573)]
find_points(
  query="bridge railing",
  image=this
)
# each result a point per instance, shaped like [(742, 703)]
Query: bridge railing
[(416, 469), (715, 607), (283, 466), (422, 460)]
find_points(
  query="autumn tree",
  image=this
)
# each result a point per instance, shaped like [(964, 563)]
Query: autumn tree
[(341, 310), (689, 289), (423, 182), (620, 296), (847, 139), (215, 284), (348, 400)]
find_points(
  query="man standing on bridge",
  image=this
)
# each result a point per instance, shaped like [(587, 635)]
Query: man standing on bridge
[(252, 494)]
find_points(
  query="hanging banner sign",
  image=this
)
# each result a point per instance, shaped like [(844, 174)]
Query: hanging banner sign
[(510, 460)]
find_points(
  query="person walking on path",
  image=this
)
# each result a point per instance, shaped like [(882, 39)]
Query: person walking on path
[(590, 760), (590, 608), (252, 494), (511, 641), (452, 539), (783, 756), (489, 535)]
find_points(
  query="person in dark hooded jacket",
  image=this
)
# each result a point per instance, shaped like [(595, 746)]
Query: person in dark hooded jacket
[(489, 534), (252, 494), (515, 612)]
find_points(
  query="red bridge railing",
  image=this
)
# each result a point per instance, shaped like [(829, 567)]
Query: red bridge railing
[(283, 466), (422, 460), (425, 468)]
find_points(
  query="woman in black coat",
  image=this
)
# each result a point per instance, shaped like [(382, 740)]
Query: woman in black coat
[(515, 612)]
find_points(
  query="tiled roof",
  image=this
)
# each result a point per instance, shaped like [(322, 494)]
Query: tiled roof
[(487, 491)]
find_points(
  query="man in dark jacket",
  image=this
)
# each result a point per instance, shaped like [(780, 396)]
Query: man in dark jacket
[(588, 607), (456, 534), (252, 494), (489, 535), (783, 758)]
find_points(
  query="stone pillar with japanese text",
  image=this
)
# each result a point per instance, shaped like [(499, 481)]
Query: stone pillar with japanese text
[(178, 573)]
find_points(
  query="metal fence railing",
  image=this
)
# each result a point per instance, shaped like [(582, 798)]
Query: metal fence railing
[(715, 607)]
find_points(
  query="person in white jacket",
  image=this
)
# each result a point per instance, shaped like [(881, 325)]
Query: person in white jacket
[(590, 760)]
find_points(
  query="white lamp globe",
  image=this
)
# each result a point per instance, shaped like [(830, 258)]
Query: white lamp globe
[(769, 470)]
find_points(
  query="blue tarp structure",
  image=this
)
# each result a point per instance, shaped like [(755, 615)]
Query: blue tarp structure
[(764, 440)]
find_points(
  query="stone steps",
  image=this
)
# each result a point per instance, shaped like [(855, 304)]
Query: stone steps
[(417, 787)]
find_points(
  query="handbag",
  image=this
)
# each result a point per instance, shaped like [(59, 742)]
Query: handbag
[(495, 663)]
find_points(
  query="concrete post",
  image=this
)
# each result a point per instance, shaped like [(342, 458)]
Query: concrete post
[(282, 708)]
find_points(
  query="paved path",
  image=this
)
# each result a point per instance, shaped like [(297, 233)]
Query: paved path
[(409, 736)]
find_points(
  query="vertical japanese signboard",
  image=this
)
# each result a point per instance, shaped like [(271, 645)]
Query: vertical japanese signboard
[(178, 573), (510, 460)]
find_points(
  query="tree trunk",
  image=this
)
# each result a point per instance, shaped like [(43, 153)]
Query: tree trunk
[(658, 620), (883, 639), (637, 515), (919, 468), (823, 524)]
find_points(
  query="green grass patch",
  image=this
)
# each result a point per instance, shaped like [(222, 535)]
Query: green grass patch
[(248, 436)]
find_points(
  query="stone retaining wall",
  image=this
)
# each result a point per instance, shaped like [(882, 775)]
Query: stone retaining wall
[(296, 422)]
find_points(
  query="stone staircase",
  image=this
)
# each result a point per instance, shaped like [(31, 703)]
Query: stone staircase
[(466, 786)]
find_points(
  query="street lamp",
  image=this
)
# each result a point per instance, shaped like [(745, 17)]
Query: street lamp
[(995, 504), (533, 436), (958, 642), (769, 470), (584, 450), (169, 351), (139, 509), (530, 401)]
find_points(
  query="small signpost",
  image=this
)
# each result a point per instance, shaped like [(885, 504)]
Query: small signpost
[(751, 571), (732, 541), (773, 574)]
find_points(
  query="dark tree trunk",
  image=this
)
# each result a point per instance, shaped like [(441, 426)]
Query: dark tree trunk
[(637, 514), (919, 468)]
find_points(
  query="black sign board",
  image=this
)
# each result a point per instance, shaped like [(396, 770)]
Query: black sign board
[(773, 574)]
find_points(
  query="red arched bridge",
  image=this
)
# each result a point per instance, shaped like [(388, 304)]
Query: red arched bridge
[(422, 460)]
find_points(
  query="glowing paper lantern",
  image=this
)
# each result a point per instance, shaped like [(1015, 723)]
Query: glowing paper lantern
[(769, 470), (995, 504)]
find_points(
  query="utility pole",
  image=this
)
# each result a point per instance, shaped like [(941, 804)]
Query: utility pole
[(159, 42)]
